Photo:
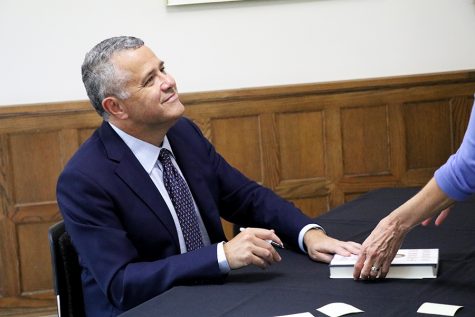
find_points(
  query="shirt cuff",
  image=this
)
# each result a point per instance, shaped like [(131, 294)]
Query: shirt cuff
[(222, 261), (303, 232)]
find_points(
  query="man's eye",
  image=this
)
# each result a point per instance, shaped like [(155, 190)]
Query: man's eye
[(162, 70), (149, 81)]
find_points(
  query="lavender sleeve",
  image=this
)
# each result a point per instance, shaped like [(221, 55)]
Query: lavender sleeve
[(456, 177)]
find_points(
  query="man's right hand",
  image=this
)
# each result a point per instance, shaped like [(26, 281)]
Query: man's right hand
[(250, 247)]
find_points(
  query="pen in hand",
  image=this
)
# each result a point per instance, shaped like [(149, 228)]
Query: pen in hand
[(272, 242)]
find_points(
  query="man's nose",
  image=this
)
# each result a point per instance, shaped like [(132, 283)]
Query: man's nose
[(166, 81)]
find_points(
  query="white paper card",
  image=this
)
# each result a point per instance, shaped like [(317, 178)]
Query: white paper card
[(297, 315), (438, 309), (338, 309)]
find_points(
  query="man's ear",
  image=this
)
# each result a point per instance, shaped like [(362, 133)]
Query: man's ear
[(114, 107)]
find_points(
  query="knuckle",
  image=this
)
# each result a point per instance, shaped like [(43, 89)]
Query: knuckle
[(267, 254), (247, 258)]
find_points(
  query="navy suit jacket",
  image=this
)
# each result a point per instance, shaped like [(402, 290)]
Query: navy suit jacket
[(124, 233)]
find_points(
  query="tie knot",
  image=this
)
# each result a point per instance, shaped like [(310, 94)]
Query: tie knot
[(164, 155)]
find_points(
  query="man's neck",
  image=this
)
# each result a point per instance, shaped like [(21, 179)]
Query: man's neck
[(153, 135)]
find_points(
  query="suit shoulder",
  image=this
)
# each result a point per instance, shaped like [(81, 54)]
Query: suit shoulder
[(185, 125), (184, 122), (88, 150)]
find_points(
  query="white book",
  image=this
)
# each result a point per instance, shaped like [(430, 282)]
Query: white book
[(408, 264)]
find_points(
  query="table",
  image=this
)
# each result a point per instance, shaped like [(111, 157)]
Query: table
[(297, 284)]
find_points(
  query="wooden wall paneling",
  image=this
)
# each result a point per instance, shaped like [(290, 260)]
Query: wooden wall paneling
[(35, 212), (37, 160), (10, 265), (461, 108), (334, 154), (35, 272), (428, 138), (318, 145), (84, 134), (37, 146), (459, 83), (369, 138), (69, 140), (301, 145), (349, 196), (270, 150), (8, 242), (3, 208), (238, 140), (397, 136), (365, 136), (205, 126), (204, 123), (2, 263), (47, 117), (302, 161), (428, 133), (312, 207)]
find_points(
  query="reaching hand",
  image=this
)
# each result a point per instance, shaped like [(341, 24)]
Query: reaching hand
[(378, 251), (251, 247), (380, 248), (321, 247)]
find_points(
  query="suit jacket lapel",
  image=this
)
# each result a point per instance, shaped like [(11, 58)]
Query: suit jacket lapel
[(131, 172)]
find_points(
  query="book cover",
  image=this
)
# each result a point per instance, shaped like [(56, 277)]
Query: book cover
[(408, 264)]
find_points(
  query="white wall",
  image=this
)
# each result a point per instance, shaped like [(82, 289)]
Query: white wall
[(233, 44)]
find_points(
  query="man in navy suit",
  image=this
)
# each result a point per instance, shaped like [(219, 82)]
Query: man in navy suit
[(116, 206)]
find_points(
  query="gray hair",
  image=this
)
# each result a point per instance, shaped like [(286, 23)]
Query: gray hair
[(100, 77)]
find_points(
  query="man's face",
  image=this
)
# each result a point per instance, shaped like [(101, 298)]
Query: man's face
[(153, 98)]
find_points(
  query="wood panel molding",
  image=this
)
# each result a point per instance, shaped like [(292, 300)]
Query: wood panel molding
[(318, 145)]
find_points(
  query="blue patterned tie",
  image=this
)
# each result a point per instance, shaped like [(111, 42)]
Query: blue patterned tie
[(182, 201)]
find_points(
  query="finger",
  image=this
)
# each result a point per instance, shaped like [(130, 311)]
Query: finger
[(265, 251), (442, 216), (320, 256), (264, 234), (359, 266), (368, 264), (353, 247), (259, 262), (347, 248), (343, 250), (356, 245), (384, 270), (374, 271), (268, 235), (426, 222), (258, 237)]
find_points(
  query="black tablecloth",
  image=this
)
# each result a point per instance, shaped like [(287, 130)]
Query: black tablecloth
[(297, 284)]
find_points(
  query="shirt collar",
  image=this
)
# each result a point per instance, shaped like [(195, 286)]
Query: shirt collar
[(146, 153)]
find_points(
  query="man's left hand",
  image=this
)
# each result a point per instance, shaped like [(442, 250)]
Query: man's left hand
[(321, 247)]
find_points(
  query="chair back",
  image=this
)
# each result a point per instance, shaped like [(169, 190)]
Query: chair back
[(66, 272)]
